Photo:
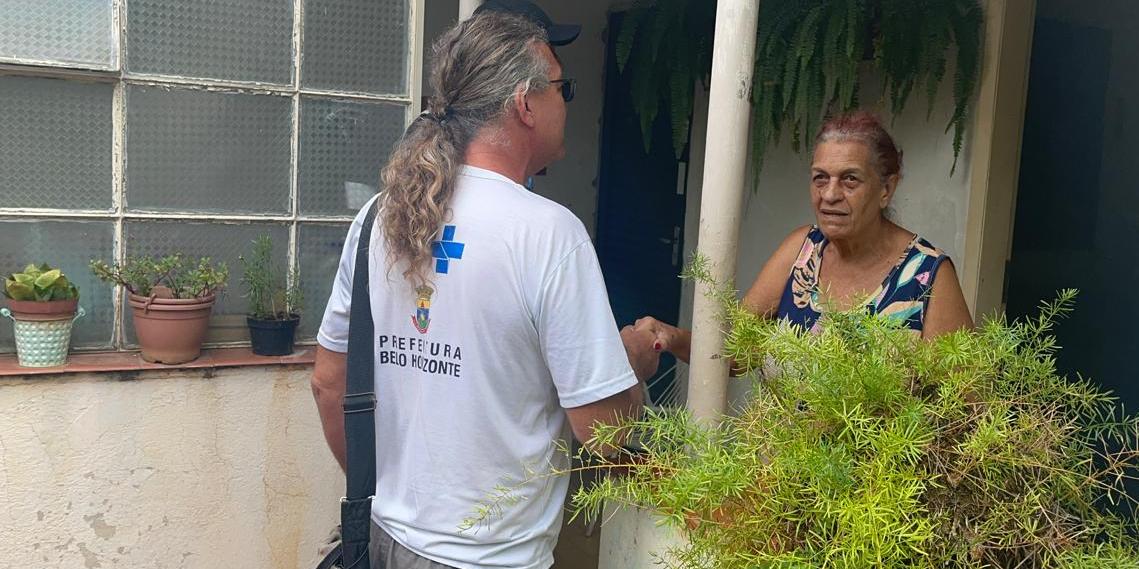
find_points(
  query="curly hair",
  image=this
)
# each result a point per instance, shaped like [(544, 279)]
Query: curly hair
[(479, 66)]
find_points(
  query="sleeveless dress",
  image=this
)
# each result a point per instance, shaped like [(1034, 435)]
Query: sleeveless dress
[(903, 294)]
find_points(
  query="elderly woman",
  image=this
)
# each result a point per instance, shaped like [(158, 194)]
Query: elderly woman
[(853, 255)]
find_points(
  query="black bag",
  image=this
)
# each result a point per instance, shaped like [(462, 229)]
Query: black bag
[(359, 421)]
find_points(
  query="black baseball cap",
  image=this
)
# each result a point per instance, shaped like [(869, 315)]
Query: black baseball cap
[(559, 34)]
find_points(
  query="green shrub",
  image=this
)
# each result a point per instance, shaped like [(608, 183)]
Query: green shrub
[(863, 446)]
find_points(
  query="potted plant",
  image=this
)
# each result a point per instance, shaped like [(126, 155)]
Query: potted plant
[(170, 301), (274, 304), (43, 305)]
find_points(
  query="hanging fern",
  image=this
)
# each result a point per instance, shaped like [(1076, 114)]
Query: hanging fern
[(807, 58), (667, 46)]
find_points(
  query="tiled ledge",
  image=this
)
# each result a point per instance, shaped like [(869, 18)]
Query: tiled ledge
[(95, 362)]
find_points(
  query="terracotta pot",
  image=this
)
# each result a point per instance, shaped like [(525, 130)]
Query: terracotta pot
[(171, 330), (36, 311)]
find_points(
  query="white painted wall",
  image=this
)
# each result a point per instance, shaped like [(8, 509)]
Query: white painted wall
[(185, 470)]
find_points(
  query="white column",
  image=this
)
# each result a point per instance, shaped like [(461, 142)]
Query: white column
[(467, 7), (725, 164)]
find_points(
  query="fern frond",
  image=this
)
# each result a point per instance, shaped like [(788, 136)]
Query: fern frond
[(808, 54)]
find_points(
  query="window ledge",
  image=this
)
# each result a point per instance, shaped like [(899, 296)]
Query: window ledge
[(211, 358)]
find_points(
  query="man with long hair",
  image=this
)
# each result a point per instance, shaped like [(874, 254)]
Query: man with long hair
[(493, 332)]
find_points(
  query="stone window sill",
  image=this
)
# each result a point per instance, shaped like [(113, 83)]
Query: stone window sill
[(211, 358)]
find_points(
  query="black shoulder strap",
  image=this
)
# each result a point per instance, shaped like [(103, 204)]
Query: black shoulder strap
[(359, 412)]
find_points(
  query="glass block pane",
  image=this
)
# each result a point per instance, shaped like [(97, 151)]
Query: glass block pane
[(55, 144), (61, 31), (318, 255), (355, 45), (250, 40), (218, 241), (343, 145), (207, 151), (70, 246)]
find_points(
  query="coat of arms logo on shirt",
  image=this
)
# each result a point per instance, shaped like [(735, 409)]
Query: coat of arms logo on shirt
[(422, 318)]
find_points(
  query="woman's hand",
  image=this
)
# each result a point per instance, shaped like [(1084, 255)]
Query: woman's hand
[(666, 338)]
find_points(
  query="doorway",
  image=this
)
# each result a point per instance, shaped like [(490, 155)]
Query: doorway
[(640, 209), (1077, 207)]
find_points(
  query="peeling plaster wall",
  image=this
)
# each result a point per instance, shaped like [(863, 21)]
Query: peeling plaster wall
[(164, 470)]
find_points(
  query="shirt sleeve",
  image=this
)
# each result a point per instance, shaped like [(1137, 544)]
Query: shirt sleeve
[(333, 333), (577, 332)]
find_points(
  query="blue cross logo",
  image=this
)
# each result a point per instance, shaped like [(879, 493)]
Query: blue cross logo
[(446, 250)]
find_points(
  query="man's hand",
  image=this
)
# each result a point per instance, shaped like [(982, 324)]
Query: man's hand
[(639, 347)]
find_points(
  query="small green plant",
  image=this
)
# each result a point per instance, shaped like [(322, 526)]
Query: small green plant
[(39, 283), (171, 276), (271, 296)]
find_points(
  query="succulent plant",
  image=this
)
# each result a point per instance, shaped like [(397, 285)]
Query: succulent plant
[(39, 283), (172, 276)]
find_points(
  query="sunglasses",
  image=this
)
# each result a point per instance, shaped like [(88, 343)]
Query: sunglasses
[(569, 88)]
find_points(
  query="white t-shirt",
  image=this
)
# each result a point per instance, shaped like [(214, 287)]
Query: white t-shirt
[(472, 376)]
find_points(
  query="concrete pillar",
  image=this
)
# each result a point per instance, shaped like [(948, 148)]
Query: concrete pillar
[(725, 165)]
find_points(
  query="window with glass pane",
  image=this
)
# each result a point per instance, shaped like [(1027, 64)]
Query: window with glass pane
[(55, 143), (61, 32), (198, 150), (217, 39), (68, 246), (343, 145), (218, 121), (355, 45), (318, 248), (221, 242)]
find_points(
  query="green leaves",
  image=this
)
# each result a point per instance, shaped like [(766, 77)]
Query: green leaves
[(270, 296), (807, 64), (143, 275), (39, 283), (864, 446), (666, 47)]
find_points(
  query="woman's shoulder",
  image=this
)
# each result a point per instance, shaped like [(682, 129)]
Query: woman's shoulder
[(918, 244), (794, 243), (923, 246), (800, 234)]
